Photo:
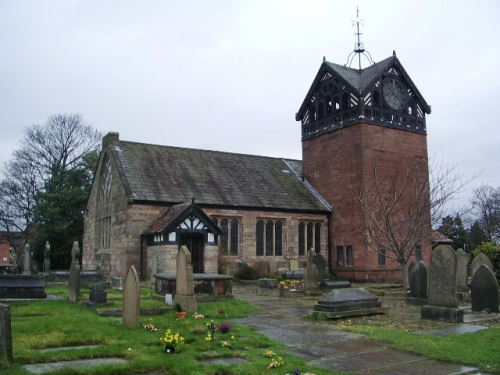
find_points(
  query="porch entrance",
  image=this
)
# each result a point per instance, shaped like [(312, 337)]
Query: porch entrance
[(195, 243)]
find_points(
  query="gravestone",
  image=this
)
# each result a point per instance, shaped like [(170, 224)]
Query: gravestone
[(74, 274), (184, 282), (98, 294), (478, 260), (311, 277), (131, 299), (320, 262), (6, 356), (46, 258), (27, 260), (484, 290), (462, 271), (155, 267), (294, 264), (442, 302), (419, 282), (116, 282)]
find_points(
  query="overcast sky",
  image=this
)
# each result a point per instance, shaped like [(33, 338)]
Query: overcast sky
[(230, 75)]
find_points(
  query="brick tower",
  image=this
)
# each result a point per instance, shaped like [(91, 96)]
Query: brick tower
[(363, 134)]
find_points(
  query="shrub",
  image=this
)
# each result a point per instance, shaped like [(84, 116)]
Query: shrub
[(247, 273)]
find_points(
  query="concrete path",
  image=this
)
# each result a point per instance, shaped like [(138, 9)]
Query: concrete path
[(328, 347)]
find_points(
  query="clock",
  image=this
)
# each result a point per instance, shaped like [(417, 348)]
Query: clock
[(394, 94)]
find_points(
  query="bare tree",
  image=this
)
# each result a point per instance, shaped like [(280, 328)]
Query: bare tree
[(486, 207), (396, 212)]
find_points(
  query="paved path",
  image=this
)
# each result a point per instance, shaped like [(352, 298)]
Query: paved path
[(328, 347)]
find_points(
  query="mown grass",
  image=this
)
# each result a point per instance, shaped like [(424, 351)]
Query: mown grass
[(479, 349), (51, 324)]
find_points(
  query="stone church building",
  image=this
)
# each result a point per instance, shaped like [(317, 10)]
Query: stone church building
[(232, 209)]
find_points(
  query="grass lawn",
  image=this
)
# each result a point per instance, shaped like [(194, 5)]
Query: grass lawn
[(51, 324)]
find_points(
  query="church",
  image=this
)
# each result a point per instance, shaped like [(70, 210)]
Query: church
[(232, 210)]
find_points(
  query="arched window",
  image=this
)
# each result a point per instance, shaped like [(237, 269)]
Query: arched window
[(259, 237), (104, 237), (269, 235), (224, 236), (317, 238), (302, 236), (234, 237), (309, 236)]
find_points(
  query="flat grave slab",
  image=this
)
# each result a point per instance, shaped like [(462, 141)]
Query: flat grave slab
[(295, 338), (453, 330), (223, 361), (425, 368), (337, 348), (42, 368)]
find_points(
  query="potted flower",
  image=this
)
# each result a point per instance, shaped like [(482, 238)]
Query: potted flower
[(171, 340), (224, 327), (181, 314)]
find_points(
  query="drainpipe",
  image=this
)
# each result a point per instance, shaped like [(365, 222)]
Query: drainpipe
[(142, 258)]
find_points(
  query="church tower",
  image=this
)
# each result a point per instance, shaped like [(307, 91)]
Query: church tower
[(364, 133)]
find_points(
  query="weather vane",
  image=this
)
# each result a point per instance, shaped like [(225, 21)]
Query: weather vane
[(359, 48)]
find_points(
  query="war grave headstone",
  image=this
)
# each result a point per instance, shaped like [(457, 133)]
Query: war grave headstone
[(74, 274), (311, 277), (131, 299), (484, 290), (294, 264), (184, 283), (6, 353), (478, 260), (419, 278), (442, 301)]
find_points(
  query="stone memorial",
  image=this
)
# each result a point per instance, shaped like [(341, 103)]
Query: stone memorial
[(74, 274), (346, 302), (116, 282), (131, 299), (419, 282), (442, 301), (320, 262), (27, 260), (311, 277), (6, 353), (294, 264), (184, 283), (22, 286), (98, 294), (46, 258), (463, 259), (484, 290), (478, 260)]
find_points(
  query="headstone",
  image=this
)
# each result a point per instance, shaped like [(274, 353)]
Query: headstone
[(98, 294), (184, 282), (294, 264), (442, 302), (484, 290), (418, 277), (311, 278), (116, 282), (46, 258), (320, 262), (131, 299), (155, 268), (74, 274), (478, 260), (463, 259), (6, 356), (268, 283), (346, 302), (27, 261)]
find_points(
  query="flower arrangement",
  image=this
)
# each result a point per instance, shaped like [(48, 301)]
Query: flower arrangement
[(178, 307), (224, 327), (172, 340), (220, 311), (211, 328), (226, 344), (269, 354), (275, 363), (291, 284), (150, 327)]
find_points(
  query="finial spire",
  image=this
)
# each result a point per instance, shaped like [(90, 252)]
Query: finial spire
[(359, 48)]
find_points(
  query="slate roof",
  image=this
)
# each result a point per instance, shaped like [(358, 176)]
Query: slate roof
[(171, 175), (361, 80)]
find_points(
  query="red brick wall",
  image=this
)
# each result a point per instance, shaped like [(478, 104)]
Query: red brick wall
[(5, 253), (342, 160)]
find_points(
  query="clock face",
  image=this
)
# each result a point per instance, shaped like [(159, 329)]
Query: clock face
[(394, 94)]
